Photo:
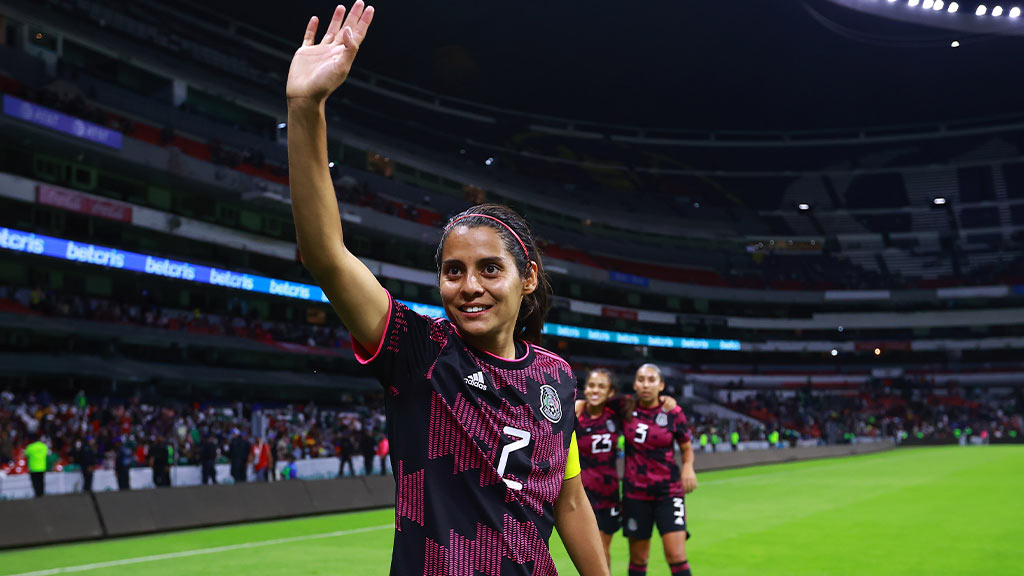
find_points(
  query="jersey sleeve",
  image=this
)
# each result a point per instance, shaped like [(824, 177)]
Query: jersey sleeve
[(407, 348), (682, 431), (572, 463)]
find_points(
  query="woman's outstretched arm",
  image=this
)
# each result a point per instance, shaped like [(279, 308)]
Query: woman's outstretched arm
[(317, 70)]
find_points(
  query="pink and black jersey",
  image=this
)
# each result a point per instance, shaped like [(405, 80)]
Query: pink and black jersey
[(478, 447), (598, 439), (651, 469)]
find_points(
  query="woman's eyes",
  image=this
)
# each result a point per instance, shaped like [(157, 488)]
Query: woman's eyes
[(489, 270)]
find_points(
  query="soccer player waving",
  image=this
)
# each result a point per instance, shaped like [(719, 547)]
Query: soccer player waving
[(480, 418)]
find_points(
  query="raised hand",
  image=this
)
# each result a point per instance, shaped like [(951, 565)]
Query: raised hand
[(318, 69)]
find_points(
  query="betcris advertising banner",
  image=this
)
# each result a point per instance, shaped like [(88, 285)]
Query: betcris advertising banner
[(38, 244), (49, 118)]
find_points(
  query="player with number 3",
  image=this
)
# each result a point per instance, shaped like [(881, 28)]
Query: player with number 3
[(655, 486)]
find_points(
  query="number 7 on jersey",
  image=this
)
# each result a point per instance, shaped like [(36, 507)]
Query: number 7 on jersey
[(523, 440)]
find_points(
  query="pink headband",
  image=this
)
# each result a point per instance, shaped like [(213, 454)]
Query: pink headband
[(507, 227)]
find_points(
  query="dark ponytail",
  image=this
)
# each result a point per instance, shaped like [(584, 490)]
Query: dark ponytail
[(534, 308)]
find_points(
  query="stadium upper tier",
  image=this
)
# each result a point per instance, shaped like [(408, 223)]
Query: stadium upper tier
[(880, 183)]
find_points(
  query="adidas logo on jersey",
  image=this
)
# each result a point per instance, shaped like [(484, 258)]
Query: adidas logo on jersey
[(476, 380)]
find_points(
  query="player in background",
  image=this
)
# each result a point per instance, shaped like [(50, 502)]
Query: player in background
[(601, 415), (480, 418), (655, 488), (598, 434)]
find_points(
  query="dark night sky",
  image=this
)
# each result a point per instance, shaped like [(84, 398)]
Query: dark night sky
[(703, 64)]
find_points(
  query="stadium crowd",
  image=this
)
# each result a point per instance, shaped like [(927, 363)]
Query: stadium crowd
[(123, 433), (140, 311)]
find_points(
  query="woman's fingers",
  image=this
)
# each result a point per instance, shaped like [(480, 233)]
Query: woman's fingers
[(335, 25), (355, 14), (307, 40)]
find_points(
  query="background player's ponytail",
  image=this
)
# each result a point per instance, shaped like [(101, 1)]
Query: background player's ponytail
[(535, 306)]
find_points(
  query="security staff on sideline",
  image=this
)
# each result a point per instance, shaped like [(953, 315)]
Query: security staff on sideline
[(37, 453)]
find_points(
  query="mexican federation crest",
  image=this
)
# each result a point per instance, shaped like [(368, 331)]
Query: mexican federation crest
[(549, 405), (661, 419)]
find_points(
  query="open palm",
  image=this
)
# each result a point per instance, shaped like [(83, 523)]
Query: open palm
[(318, 69)]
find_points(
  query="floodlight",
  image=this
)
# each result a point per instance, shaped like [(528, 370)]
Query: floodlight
[(939, 201), (939, 4), (1014, 12), (997, 11), (953, 8), (927, 4), (803, 206), (981, 10)]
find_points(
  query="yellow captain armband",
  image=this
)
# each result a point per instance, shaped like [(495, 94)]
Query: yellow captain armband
[(572, 463)]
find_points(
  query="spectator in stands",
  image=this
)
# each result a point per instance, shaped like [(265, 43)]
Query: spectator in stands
[(368, 447), (239, 454), (282, 450), (160, 460), (290, 471), (37, 454), (261, 460), (123, 464), (6, 446), (383, 449), (346, 449), (86, 458), (208, 460)]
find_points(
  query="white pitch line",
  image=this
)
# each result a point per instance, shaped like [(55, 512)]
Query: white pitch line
[(201, 551)]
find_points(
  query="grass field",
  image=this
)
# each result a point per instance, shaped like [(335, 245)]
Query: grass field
[(948, 510)]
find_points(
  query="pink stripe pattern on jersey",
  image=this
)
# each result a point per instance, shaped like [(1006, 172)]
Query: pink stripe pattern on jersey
[(517, 541), (410, 497)]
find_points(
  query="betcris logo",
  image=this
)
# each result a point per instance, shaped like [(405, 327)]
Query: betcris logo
[(170, 268), (21, 241), (230, 279), (281, 288), (94, 255)]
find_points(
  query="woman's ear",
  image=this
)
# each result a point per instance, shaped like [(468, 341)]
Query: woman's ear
[(531, 280)]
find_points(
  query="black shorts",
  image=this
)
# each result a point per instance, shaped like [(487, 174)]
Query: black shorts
[(641, 515), (609, 520)]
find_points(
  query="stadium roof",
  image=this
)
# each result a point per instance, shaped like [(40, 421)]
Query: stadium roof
[(745, 64)]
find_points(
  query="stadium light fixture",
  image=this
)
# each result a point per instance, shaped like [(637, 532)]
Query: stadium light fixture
[(835, 352), (913, 2), (982, 9), (927, 4), (939, 201), (954, 44), (939, 5), (803, 206), (997, 11), (281, 125), (878, 351), (330, 164), (1014, 12), (953, 8), (489, 161)]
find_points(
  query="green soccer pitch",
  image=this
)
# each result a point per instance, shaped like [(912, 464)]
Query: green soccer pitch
[(927, 511)]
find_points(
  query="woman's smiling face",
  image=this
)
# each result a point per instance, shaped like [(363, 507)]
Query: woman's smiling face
[(481, 288)]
